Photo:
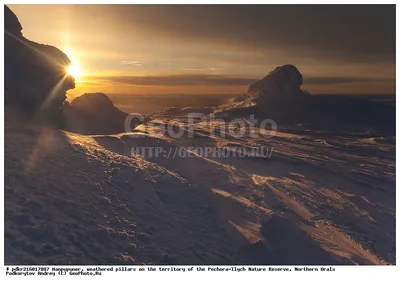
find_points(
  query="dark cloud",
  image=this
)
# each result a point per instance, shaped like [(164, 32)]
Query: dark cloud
[(216, 80), (346, 32), (328, 33), (177, 80), (340, 80)]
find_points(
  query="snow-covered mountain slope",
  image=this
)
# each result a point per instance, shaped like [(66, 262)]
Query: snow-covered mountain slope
[(318, 199)]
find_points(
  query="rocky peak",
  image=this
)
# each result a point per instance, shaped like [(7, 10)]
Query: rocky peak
[(11, 22), (280, 84)]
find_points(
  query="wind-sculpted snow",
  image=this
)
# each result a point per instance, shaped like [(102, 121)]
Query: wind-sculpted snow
[(316, 199)]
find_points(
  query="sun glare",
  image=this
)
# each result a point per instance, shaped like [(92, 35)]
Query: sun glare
[(74, 70)]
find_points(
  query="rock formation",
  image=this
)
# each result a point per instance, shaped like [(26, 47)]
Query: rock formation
[(278, 96), (281, 84), (36, 80), (94, 113)]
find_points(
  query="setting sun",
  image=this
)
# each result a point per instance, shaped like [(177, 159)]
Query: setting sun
[(74, 70)]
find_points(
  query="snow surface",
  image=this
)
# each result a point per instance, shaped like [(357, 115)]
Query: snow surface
[(319, 199)]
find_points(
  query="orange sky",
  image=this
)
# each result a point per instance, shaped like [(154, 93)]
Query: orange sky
[(133, 49)]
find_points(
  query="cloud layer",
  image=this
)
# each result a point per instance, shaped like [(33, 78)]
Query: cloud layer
[(348, 47), (345, 32), (217, 80)]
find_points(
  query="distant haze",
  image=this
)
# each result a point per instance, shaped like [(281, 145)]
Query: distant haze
[(204, 49)]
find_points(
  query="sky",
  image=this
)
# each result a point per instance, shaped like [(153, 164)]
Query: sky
[(218, 49)]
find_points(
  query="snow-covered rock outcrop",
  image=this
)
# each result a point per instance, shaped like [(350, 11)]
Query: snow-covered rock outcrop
[(278, 96), (283, 83)]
